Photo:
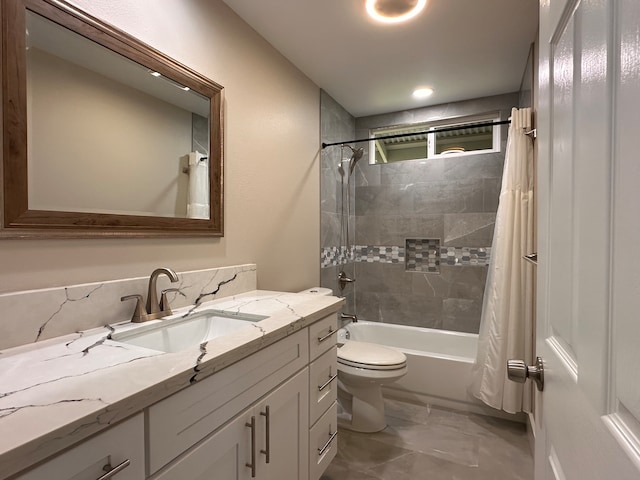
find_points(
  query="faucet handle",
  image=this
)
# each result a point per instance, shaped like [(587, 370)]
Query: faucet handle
[(139, 313), (164, 301)]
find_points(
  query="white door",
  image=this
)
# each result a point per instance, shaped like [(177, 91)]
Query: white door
[(588, 328)]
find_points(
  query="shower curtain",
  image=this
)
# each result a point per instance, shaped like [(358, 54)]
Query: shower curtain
[(506, 327)]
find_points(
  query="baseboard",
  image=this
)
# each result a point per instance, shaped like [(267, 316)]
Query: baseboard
[(531, 432)]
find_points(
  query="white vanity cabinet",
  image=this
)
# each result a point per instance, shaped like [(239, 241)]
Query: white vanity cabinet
[(287, 433), (269, 416), (323, 389), (267, 441), (178, 423), (115, 454)]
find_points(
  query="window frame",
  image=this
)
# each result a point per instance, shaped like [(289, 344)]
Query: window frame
[(431, 144)]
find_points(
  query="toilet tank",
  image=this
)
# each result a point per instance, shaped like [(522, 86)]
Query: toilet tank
[(317, 291)]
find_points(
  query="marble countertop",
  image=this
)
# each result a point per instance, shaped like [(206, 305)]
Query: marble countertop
[(57, 392)]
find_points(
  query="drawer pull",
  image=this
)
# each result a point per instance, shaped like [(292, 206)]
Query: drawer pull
[(115, 470), (252, 465), (326, 445), (326, 384), (331, 332), (267, 450)]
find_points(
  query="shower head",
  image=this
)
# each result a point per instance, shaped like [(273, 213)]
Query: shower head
[(356, 154)]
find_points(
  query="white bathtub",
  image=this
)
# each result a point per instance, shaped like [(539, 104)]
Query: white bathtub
[(439, 362)]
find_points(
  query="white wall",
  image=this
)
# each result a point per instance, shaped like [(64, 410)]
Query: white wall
[(271, 161)]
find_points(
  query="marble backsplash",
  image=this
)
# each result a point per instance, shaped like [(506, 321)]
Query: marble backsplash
[(36, 315)]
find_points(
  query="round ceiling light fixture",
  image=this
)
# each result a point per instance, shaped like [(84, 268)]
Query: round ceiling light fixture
[(394, 11), (423, 92)]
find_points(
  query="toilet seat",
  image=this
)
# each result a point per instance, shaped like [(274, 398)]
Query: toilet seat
[(370, 356)]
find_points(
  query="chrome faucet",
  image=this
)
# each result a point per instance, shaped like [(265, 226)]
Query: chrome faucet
[(347, 316), (154, 309)]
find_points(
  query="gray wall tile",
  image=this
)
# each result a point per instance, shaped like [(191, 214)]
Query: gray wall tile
[(453, 282), (491, 188), (461, 314), (454, 196), (486, 165), (469, 229), (393, 229), (384, 199)]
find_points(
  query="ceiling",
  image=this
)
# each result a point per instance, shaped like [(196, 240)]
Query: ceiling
[(463, 49)]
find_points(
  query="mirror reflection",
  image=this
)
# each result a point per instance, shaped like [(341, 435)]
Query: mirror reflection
[(108, 135)]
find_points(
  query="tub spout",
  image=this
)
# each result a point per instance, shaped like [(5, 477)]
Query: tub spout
[(346, 316)]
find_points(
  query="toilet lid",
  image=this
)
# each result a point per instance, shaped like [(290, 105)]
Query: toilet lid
[(370, 355)]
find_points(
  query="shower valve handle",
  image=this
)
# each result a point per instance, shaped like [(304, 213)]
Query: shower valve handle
[(343, 280)]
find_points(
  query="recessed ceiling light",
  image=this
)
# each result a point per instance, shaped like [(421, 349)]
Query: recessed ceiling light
[(394, 11), (423, 92)]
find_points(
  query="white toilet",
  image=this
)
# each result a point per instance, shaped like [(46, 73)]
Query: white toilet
[(362, 370)]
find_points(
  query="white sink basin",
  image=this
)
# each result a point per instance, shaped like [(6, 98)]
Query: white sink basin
[(180, 333)]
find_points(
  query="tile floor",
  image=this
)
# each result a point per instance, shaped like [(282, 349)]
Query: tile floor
[(432, 443)]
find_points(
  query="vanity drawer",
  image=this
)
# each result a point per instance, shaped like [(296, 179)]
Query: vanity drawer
[(322, 335), (122, 445), (323, 383), (180, 421), (323, 442)]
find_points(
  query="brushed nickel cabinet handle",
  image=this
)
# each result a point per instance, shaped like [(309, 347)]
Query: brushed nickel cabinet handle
[(326, 384), (326, 445), (331, 332), (252, 465), (267, 450), (115, 470)]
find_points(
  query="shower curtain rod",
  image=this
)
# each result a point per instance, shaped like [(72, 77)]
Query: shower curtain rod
[(437, 130)]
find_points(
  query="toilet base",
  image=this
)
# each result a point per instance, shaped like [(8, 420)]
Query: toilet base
[(362, 408)]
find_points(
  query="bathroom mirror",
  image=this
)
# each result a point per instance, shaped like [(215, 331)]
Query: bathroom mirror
[(102, 134)]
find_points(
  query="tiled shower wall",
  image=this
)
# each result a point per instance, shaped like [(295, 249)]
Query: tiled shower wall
[(423, 229), (446, 207), (336, 125)]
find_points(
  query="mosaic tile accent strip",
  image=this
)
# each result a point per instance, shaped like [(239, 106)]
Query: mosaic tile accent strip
[(423, 255), (332, 256), (450, 256), (380, 253), (479, 256)]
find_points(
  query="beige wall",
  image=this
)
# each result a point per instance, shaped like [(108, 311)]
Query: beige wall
[(271, 161)]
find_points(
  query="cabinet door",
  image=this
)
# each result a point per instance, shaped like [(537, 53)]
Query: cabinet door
[(222, 456), (230, 453), (286, 440)]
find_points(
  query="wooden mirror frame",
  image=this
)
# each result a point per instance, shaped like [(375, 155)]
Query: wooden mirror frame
[(16, 220)]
